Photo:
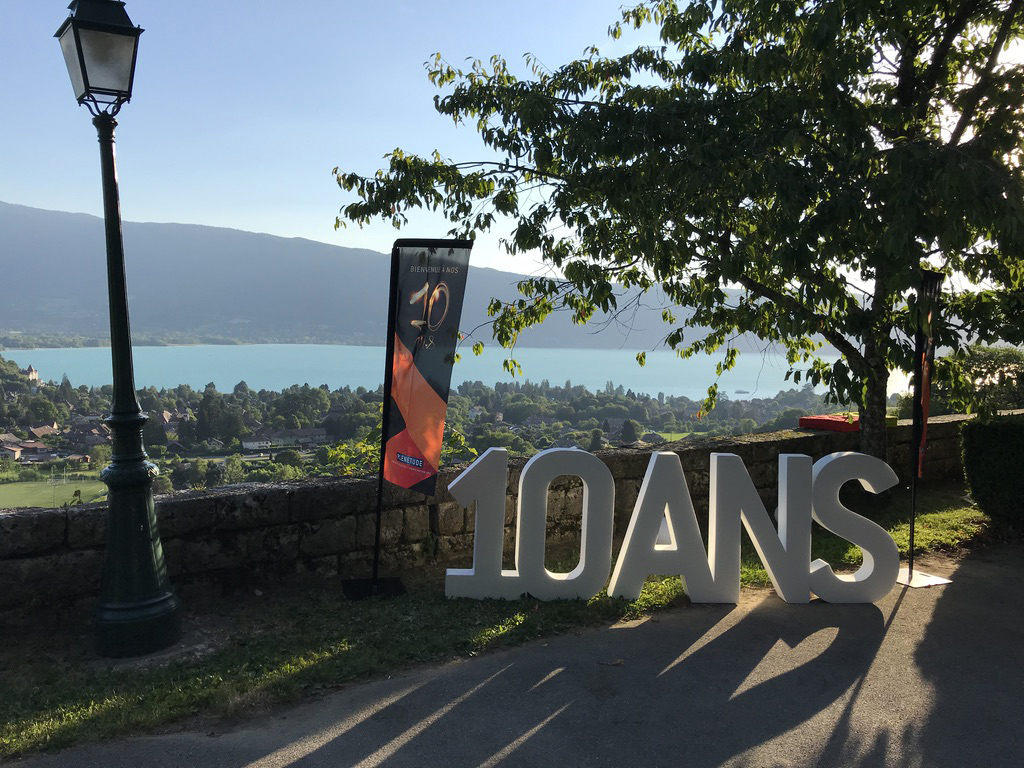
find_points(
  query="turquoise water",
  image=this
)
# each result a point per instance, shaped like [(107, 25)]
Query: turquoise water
[(276, 366)]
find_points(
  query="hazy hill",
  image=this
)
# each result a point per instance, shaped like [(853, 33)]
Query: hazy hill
[(195, 282)]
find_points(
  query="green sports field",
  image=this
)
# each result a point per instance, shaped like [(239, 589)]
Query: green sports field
[(44, 494)]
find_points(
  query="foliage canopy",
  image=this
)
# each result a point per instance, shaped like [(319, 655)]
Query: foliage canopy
[(779, 168)]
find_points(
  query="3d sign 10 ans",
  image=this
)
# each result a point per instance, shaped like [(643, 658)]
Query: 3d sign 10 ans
[(663, 536)]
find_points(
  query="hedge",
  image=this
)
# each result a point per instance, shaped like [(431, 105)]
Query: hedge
[(993, 456)]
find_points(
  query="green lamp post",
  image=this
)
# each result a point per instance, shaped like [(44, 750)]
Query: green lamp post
[(138, 611)]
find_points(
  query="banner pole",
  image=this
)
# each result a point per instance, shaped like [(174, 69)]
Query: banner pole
[(385, 420), (916, 433), (924, 346), (358, 589)]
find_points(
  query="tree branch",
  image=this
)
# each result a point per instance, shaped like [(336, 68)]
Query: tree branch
[(931, 76), (975, 94), (837, 340)]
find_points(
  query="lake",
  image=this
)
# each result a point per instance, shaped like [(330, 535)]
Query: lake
[(276, 366)]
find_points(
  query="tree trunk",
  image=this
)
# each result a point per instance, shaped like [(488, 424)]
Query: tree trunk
[(872, 410)]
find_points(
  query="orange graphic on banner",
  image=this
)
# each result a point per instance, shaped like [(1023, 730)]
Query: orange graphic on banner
[(422, 410), (406, 465)]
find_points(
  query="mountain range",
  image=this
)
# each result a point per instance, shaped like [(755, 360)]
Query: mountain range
[(200, 283)]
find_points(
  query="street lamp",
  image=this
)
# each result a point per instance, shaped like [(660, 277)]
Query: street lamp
[(138, 611)]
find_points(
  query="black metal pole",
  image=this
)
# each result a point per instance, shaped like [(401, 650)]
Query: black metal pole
[(385, 421), (138, 611), (927, 315), (917, 429)]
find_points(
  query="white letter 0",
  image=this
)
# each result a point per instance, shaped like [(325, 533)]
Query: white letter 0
[(590, 575)]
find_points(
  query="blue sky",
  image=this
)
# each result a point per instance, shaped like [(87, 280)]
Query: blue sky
[(241, 110)]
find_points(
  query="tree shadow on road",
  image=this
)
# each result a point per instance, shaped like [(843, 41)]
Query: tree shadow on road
[(696, 687), (973, 656)]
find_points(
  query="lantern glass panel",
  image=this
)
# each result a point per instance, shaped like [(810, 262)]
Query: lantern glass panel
[(70, 50), (108, 60)]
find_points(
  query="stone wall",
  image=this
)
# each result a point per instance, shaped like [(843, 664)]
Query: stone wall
[(325, 527)]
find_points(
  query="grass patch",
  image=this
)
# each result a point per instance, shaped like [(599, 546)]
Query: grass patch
[(277, 651), (672, 437), (946, 521), (43, 493), (293, 643)]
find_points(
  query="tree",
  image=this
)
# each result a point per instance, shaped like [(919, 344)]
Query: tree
[(187, 432), (781, 168), (153, 433), (289, 456), (980, 380), (233, 470), (99, 455), (230, 424), (209, 415), (630, 432)]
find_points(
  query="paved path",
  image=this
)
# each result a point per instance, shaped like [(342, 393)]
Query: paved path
[(930, 677)]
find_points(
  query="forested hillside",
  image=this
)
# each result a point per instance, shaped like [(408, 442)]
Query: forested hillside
[(191, 283)]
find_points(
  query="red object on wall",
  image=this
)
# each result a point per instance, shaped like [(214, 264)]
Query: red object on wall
[(837, 422)]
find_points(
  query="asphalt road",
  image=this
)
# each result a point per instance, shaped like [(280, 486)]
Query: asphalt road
[(929, 677)]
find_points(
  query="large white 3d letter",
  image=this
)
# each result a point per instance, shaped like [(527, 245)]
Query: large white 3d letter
[(663, 537), (881, 566), (484, 482), (590, 575), (785, 554)]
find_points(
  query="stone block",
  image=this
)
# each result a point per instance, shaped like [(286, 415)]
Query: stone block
[(87, 527), (186, 515), (451, 519), (415, 523), (765, 476), (173, 556), (391, 521), (410, 556), (321, 567), (943, 448), (50, 578), (763, 449), (571, 507), (211, 553), (357, 495), (508, 549), (31, 531), (626, 494), (328, 537), (899, 459), (257, 509), (320, 501), (366, 531), (277, 544), (355, 565), (555, 509), (455, 549), (693, 460), (395, 496), (511, 509)]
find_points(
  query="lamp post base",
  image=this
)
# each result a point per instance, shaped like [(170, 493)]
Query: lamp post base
[(140, 628)]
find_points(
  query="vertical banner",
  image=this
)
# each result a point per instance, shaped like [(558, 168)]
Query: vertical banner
[(428, 283)]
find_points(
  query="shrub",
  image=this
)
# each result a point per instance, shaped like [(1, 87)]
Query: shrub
[(992, 454)]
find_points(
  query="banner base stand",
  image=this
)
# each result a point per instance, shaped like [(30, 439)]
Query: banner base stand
[(919, 579), (361, 589)]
